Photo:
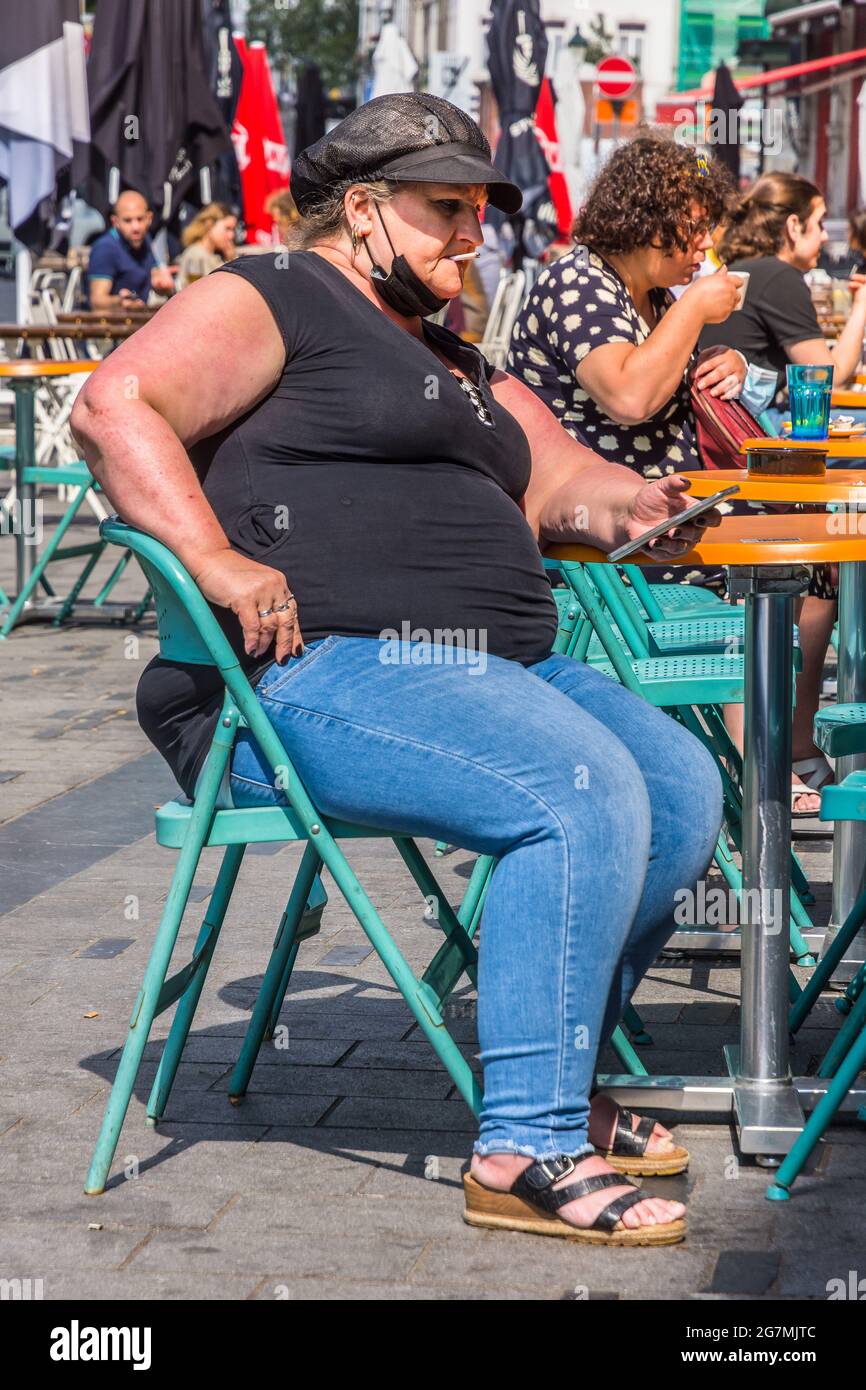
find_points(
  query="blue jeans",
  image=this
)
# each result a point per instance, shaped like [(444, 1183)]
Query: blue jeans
[(598, 807)]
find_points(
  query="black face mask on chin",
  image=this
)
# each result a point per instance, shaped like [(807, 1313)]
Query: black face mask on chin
[(401, 289)]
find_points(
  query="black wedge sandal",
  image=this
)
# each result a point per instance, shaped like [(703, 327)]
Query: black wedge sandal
[(628, 1153), (532, 1203)]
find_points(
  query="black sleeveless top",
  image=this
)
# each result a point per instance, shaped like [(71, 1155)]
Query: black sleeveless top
[(371, 480)]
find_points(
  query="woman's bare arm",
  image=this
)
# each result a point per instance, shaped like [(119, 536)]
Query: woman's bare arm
[(632, 382), (205, 359), (574, 495)]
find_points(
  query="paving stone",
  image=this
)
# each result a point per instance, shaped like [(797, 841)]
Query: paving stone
[(407, 1054), (300, 1052), (141, 1204), (126, 1286), (294, 1256), (378, 1144), (745, 1271), (840, 1273), (334, 1081), (428, 1116), (365, 1215), (35, 1249), (322, 1290), (257, 1108), (480, 1259)]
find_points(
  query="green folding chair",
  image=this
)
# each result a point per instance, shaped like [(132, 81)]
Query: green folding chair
[(660, 601), (840, 731), (692, 688), (189, 632), (78, 477)]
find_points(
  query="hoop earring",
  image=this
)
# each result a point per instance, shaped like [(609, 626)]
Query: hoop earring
[(356, 241)]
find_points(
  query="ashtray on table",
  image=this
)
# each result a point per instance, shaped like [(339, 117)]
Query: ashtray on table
[(794, 458)]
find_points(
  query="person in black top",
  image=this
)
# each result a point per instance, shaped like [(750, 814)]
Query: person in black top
[(320, 458), (776, 232)]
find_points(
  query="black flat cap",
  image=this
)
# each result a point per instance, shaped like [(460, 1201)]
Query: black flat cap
[(409, 137)]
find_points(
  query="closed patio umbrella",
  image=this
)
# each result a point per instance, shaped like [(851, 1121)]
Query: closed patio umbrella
[(259, 142), (224, 74), (725, 120), (545, 128), (517, 52), (394, 65), (311, 107), (155, 122)]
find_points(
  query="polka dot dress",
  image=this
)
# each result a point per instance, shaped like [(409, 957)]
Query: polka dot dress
[(578, 304)]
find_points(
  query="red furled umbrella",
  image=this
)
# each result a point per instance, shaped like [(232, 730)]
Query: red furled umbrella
[(260, 146), (548, 138)]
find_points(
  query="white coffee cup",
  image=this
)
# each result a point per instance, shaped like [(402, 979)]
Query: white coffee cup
[(744, 276)]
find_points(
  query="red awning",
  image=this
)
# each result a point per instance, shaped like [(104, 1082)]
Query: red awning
[(767, 79)]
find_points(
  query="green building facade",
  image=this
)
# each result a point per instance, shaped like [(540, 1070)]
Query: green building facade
[(712, 31)]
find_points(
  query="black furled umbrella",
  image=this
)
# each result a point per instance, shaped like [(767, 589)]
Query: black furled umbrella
[(517, 51), (153, 116), (224, 73), (310, 125), (725, 120)]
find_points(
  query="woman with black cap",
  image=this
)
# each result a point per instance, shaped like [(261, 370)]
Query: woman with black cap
[(322, 458)]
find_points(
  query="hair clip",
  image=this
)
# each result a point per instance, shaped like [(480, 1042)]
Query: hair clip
[(703, 166)]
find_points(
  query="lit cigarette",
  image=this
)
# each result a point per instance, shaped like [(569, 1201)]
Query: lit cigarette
[(467, 256)]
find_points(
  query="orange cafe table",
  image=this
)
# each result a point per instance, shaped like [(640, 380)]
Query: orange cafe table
[(845, 489), (768, 555), (850, 398), (25, 375)]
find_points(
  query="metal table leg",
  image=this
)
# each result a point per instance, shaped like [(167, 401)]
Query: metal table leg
[(25, 493), (767, 1102), (849, 838), (767, 1107)]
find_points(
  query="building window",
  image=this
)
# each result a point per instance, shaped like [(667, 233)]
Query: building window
[(630, 42), (555, 46)]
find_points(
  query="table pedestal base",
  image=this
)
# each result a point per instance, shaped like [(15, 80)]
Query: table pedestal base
[(768, 1114), (721, 942), (713, 1095)]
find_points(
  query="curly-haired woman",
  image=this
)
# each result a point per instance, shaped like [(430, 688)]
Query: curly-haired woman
[(602, 340)]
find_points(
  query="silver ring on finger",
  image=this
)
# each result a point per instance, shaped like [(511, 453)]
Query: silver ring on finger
[(265, 612), (282, 607)]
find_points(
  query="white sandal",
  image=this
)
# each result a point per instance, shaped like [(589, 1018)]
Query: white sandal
[(814, 774)]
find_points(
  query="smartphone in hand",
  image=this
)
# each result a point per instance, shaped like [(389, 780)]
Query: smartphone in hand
[(672, 524)]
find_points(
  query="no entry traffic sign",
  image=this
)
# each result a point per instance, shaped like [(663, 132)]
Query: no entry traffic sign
[(616, 78)]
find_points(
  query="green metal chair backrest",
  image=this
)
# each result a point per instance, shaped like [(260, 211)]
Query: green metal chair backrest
[(610, 590), (189, 632), (643, 589)]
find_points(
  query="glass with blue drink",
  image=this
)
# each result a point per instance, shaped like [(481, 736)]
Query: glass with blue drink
[(809, 392)]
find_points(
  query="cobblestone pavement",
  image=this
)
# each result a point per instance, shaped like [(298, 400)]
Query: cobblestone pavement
[(339, 1177)]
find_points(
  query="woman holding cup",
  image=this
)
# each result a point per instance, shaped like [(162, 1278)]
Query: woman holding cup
[(775, 235)]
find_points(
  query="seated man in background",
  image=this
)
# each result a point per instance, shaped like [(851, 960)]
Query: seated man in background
[(123, 269)]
